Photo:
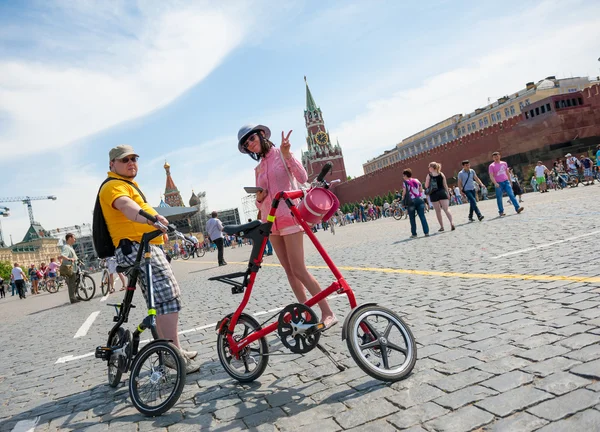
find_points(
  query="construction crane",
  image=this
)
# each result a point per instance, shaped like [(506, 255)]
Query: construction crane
[(27, 200), (4, 212)]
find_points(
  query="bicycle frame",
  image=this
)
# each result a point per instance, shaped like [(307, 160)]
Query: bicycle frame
[(125, 307), (339, 286)]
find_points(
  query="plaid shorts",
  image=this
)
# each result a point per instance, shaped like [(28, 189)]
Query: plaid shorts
[(166, 289), (587, 172)]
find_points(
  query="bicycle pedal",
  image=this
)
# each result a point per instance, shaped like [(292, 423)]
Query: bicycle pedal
[(103, 353)]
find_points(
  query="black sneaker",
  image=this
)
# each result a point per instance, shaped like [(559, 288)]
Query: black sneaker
[(471, 219), (480, 218)]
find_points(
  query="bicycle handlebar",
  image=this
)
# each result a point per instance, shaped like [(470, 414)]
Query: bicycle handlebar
[(169, 228), (326, 168)]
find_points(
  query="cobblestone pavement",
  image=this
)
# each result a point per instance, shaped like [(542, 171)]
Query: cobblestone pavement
[(505, 313)]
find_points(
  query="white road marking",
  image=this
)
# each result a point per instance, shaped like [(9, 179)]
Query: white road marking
[(103, 299), (26, 425), (71, 358), (545, 245), (86, 325)]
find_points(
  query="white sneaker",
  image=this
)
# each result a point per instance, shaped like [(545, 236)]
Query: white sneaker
[(189, 354), (190, 366)]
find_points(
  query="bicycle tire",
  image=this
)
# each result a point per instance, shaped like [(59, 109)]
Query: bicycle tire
[(226, 359), (114, 366), (398, 213), (201, 252), (380, 347), (104, 282), (157, 374), (51, 286), (175, 256), (185, 256), (86, 288)]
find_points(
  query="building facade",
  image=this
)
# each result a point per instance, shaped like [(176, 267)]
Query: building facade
[(229, 216), (172, 195), (457, 126), (320, 149)]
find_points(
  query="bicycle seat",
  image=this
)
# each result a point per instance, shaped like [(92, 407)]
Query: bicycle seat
[(123, 269), (237, 229)]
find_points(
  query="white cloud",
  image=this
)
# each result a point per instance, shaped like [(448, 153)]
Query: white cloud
[(547, 45), (53, 103)]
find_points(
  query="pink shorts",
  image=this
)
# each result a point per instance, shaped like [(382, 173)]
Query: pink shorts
[(285, 225)]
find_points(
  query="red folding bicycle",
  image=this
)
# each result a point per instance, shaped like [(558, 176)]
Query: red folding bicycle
[(379, 341)]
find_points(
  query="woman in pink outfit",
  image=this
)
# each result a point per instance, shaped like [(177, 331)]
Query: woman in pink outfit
[(278, 170)]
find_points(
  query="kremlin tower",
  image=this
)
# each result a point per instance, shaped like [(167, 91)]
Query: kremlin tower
[(172, 195)]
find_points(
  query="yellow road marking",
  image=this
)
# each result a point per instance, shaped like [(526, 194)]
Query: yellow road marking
[(546, 278)]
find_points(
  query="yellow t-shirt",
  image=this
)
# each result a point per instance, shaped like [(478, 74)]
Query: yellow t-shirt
[(118, 225)]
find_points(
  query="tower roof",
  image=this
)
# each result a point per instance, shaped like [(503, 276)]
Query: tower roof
[(310, 102), (194, 200), (170, 186)]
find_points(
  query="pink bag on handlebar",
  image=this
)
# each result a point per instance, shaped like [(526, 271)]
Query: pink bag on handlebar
[(318, 204)]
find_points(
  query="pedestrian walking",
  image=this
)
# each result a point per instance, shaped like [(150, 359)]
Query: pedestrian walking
[(19, 278), (278, 170), (33, 277), (516, 186), (439, 193), (2, 292), (214, 227), (540, 176), (414, 189), (68, 266), (587, 165), (498, 171), (458, 195), (467, 179)]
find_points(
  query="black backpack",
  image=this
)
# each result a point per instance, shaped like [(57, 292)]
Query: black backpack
[(103, 244)]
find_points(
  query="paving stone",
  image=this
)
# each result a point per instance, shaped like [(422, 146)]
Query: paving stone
[(240, 410), (483, 334), (451, 355), (538, 340), (464, 396), (376, 426), (588, 370), (266, 416), (313, 415), (363, 414), (415, 396), (417, 414), (588, 420), (561, 382), (543, 352), (579, 341), (550, 366), (566, 405), (508, 381), (573, 329), (458, 365), (497, 352), (517, 399), (586, 354), (519, 422), (465, 419), (503, 365), (463, 379), (326, 425)]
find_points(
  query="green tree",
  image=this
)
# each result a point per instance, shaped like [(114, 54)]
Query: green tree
[(349, 178), (390, 197), (377, 200), (5, 269)]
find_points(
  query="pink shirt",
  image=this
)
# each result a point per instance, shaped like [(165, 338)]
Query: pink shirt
[(499, 171), (272, 177), (52, 267), (414, 185)]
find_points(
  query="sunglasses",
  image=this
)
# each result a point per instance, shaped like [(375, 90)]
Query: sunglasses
[(250, 139), (129, 158)]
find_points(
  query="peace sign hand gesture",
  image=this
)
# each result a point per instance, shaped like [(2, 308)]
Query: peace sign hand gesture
[(285, 145)]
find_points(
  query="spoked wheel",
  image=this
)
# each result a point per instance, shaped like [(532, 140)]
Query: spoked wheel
[(104, 283), (381, 343), (175, 256), (157, 378), (252, 360), (117, 364), (398, 213), (201, 252), (185, 255), (86, 288)]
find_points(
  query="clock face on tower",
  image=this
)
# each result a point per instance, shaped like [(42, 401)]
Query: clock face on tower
[(321, 138)]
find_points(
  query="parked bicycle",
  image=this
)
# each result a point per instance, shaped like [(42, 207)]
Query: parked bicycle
[(378, 339), (84, 283), (105, 278), (158, 369)]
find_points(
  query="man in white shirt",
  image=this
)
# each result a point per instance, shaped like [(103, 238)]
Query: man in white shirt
[(572, 164), (214, 228), (19, 279), (457, 195), (540, 171), (195, 245)]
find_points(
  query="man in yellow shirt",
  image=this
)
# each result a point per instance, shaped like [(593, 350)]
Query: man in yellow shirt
[(121, 201)]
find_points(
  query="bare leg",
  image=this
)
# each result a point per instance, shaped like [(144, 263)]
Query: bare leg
[(166, 326), (111, 282), (444, 206), (289, 261), (122, 279), (438, 213)]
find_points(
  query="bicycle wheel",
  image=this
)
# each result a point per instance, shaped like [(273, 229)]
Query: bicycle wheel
[(252, 360), (175, 256), (370, 334), (86, 288), (201, 252), (104, 282), (185, 255), (398, 213), (157, 378), (118, 363), (51, 286)]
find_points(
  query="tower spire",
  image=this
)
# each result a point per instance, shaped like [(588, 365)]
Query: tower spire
[(172, 195), (310, 102)]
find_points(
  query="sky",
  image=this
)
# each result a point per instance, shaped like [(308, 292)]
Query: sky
[(177, 79)]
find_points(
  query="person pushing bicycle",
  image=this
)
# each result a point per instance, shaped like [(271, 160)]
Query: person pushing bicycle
[(121, 200)]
